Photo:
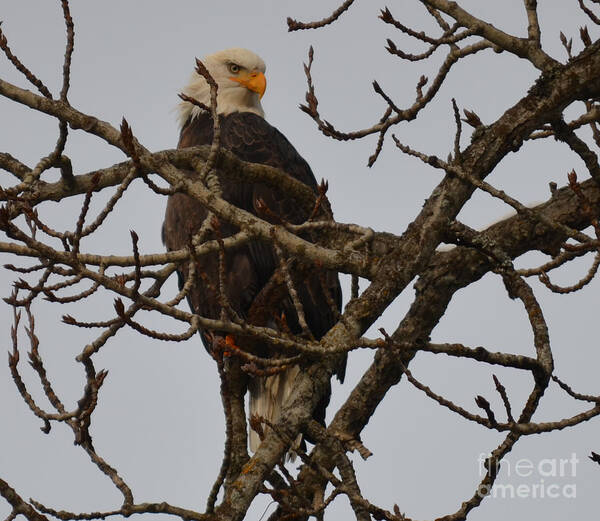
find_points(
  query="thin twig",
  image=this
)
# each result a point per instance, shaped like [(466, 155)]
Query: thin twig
[(294, 25)]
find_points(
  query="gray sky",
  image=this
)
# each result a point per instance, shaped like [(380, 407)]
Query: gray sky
[(159, 420)]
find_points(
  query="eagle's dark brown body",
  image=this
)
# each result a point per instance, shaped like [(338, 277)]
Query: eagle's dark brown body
[(250, 268)]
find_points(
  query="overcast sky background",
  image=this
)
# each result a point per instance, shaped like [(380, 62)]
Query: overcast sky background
[(159, 421)]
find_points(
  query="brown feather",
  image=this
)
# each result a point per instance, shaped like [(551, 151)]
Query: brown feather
[(250, 268)]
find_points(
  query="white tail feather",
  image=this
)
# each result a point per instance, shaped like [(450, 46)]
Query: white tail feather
[(267, 396)]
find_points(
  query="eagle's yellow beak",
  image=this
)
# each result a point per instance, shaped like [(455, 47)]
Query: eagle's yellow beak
[(254, 81)]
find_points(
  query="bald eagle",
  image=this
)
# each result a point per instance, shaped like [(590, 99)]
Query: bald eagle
[(240, 76)]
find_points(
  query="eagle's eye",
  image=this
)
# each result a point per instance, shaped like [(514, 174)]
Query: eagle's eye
[(234, 68)]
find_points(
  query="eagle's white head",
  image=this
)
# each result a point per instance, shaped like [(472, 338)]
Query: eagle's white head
[(240, 75)]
